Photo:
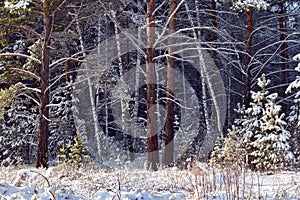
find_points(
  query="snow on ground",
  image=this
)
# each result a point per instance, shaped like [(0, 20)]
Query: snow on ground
[(92, 183)]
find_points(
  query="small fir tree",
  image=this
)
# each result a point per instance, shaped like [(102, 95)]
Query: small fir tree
[(228, 150), (76, 153), (259, 137), (293, 126), (294, 115)]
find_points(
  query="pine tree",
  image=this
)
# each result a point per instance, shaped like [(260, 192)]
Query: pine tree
[(259, 136), (18, 126), (293, 126), (266, 138), (294, 115), (228, 150), (152, 143), (75, 153), (12, 17), (62, 126), (42, 38), (248, 6)]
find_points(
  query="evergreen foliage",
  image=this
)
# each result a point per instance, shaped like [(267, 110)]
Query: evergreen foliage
[(18, 131), (7, 96), (78, 27), (15, 18), (246, 5), (62, 127), (75, 153), (259, 138), (294, 115), (293, 126)]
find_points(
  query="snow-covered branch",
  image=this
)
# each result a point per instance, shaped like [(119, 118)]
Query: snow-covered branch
[(20, 55), (62, 60), (28, 73)]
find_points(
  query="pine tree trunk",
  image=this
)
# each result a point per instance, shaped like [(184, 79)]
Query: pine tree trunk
[(152, 143), (214, 23), (248, 57), (67, 79), (169, 141), (43, 129), (283, 53)]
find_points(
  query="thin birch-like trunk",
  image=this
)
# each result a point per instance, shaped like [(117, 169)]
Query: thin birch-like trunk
[(123, 85), (136, 91), (207, 83), (105, 91), (214, 24), (202, 75), (91, 97)]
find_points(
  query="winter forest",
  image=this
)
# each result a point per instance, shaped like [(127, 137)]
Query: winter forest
[(203, 86)]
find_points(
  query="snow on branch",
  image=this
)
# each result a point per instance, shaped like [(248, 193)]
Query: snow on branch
[(245, 5), (20, 5), (20, 55), (62, 60), (297, 58), (28, 73), (296, 83)]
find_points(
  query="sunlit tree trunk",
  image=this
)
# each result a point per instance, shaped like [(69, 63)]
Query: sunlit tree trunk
[(248, 57), (152, 143), (122, 81), (169, 140), (283, 52), (43, 129)]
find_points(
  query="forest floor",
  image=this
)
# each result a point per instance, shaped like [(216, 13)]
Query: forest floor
[(201, 182)]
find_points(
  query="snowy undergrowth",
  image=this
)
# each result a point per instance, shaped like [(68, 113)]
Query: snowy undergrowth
[(200, 182)]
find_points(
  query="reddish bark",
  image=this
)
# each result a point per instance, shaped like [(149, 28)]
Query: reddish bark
[(248, 57), (214, 19), (283, 51), (169, 140), (152, 142), (43, 129)]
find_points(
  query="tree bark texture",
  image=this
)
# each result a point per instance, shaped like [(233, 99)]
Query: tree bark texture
[(283, 52), (214, 21), (248, 57), (43, 129), (170, 132), (152, 143)]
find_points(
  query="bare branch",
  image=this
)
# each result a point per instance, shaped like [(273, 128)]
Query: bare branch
[(62, 60), (33, 99), (158, 7), (58, 7), (36, 4), (31, 31), (32, 89), (22, 71), (20, 55), (169, 19)]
